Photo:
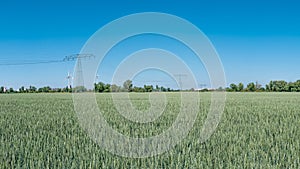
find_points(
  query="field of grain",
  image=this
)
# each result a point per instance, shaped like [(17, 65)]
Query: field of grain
[(257, 130)]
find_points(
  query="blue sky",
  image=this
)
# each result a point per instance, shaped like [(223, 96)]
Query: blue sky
[(256, 40)]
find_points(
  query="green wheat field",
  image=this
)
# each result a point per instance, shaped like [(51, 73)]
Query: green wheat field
[(257, 130)]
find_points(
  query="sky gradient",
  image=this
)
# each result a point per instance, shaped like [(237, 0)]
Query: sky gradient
[(255, 40)]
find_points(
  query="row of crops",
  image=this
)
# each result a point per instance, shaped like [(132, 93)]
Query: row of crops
[(257, 130)]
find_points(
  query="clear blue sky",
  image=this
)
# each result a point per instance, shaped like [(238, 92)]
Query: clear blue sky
[(256, 40)]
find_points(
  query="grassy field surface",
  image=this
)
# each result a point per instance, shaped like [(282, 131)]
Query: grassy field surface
[(257, 130)]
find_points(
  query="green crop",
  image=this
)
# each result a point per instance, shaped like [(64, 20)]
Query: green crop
[(257, 130)]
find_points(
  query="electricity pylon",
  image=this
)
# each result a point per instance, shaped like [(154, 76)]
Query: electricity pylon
[(180, 76), (78, 80), (69, 77)]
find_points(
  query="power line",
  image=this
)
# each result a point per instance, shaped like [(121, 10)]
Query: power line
[(31, 63), (66, 59)]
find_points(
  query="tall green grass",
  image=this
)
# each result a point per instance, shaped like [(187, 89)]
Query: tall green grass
[(257, 130)]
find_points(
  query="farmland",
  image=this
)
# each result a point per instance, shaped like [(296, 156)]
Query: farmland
[(257, 130)]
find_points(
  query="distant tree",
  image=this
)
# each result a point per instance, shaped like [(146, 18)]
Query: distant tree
[(11, 90), (2, 89), (138, 89), (135, 89), (293, 90), (115, 88), (294, 86), (45, 89), (228, 89), (280, 86), (240, 87), (297, 86), (66, 89), (273, 86), (163, 89), (100, 87), (128, 85), (32, 89), (107, 88), (148, 88), (233, 87), (22, 89), (268, 88), (290, 87), (251, 87), (157, 88), (261, 89), (204, 90)]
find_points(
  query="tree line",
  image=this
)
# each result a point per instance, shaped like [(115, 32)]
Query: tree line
[(33, 89), (272, 86), (98, 87), (128, 87)]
